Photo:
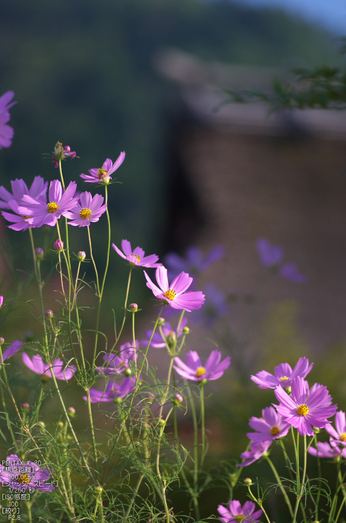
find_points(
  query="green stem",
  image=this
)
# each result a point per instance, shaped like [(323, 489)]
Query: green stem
[(202, 423), (125, 310), (259, 503), (288, 503)]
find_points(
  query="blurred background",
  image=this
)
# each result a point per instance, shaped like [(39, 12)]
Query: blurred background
[(150, 78)]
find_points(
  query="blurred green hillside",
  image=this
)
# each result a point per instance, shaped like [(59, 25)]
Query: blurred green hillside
[(82, 74)]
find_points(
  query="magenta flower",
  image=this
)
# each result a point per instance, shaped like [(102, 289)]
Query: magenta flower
[(60, 153), (11, 350), (88, 210), (194, 369), (22, 476), (194, 261), (168, 335), (6, 132), (338, 434), (271, 256), (137, 256), (305, 408), (1, 300), (174, 295), (257, 449), (60, 204), (271, 426), (115, 364), (215, 306), (283, 375), (104, 173), (236, 512), (112, 392), (38, 191), (45, 370), (324, 450)]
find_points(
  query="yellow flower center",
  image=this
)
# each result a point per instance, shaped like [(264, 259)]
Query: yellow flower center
[(284, 378), (52, 207), (239, 518), (169, 294), (85, 213), (23, 478), (343, 436), (200, 371), (101, 172), (136, 256), (303, 410), (274, 431)]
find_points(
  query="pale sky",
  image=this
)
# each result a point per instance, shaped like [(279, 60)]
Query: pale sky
[(328, 13)]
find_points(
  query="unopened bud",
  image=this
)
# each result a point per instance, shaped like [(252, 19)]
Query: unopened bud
[(81, 256), (39, 253), (2, 340), (162, 422), (49, 313), (316, 430), (71, 412), (161, 321), (25, 406), (178, 399), (60, 425), (58, 245), (203, 382), (186, 330), (118, 400), (133, 307), (248, 481), (127, 372), (150, 398), (41, 424), (98, 489)]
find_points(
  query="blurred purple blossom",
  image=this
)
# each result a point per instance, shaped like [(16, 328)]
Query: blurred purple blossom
[(168, 334), (6, 132), (117, 363), (22, 476), (339, 432), (194, 261), (324, 450), (216, 305), (45, 370), (112, 391), (11, 350), (257, 449), (271, 256)]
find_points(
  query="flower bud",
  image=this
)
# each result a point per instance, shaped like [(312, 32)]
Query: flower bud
[(203, 382), (186, 330), (133, 307), (316, 430), (39, 253), (41, 424), (162, 422), (248, 481), (118, 400), (161, 321), (150, 398), (60, 425), (178, 399), (2, 340), (81, 256), (49, 313), (127, 372), (105, 179), (71, 412), (58, 245), (98, 489), (25, 406)]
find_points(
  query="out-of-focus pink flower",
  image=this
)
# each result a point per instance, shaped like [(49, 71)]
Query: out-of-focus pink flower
[(117, 363), (11, 350), (271, 256), (194, 369), (305, 408), (45, 370), (113, 391), (236, 512), (38, 191), (175, 295), (6, 132), (257, 449), (1, 300), (338, 434), (60, 204), (21, 476), (324, 450), (283, 374), (137, 256), (271, 426), (102, 175), (88, 210), (168, 336), (194, 261), (58, 245)]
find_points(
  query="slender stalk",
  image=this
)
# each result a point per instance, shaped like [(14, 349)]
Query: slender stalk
[(259, 503), (94, 263), (202, 423), (125, 309), (288, 503)]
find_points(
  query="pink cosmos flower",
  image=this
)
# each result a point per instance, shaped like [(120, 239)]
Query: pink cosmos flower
[(338, 435), (112, 392), (324, 450), (168, 335), (11, 350), (98, 175), (283, 375), (137, 256), (88, 210), (60, 153), (305, 408), (38, 191), (257, 449), (194, 369), (271, 426), (6, 132), (174, 295), (60, 204), (21, 476), (37, 365), (117, 363), (236, 512), (1, 300)]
